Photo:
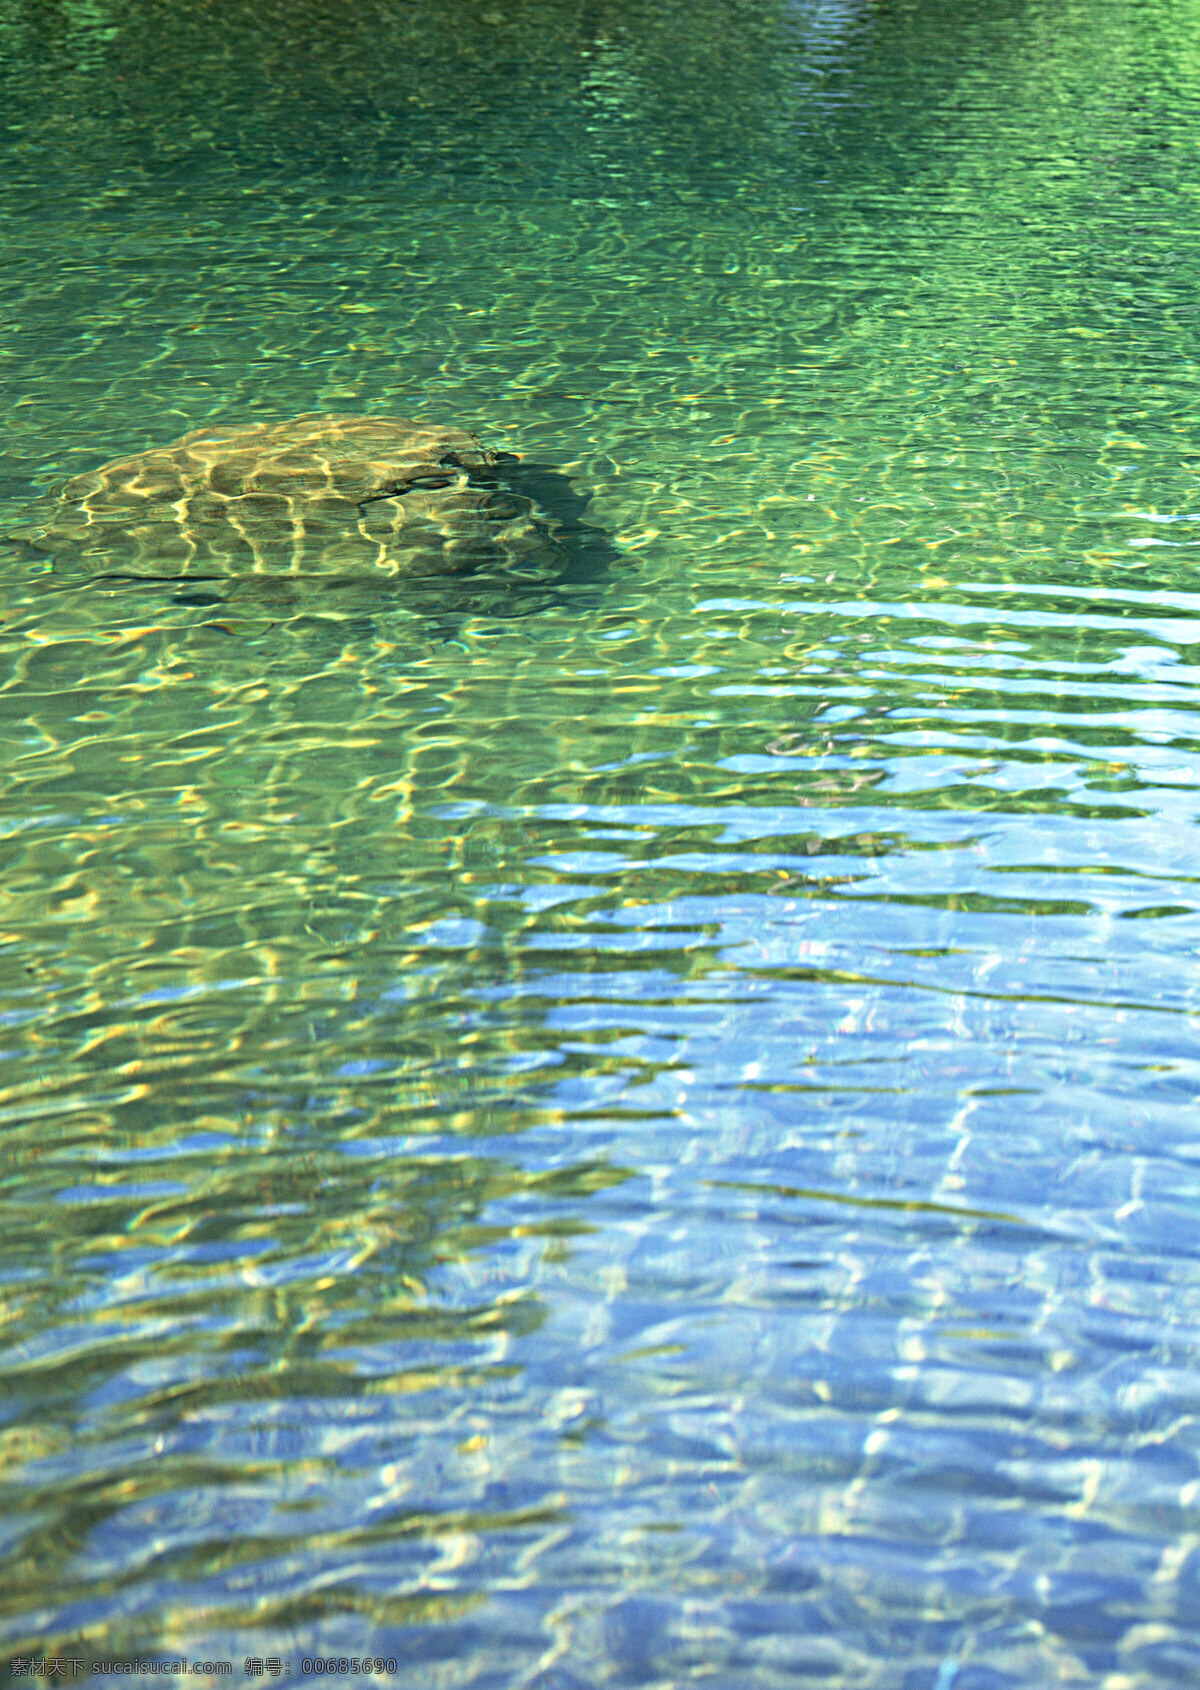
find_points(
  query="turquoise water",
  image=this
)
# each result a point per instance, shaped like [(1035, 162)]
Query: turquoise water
[(641, 1130)]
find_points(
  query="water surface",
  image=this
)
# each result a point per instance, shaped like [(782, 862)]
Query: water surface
[(639, 1132)]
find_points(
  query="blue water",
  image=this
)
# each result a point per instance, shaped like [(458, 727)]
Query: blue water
[(639, 1129)]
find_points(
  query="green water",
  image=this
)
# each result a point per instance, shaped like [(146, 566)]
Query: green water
[(645, 1131)]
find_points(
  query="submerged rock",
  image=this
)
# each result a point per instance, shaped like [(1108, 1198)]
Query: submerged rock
[(318, 495)]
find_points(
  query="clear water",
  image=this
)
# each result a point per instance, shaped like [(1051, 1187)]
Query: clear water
[(643, 1133)]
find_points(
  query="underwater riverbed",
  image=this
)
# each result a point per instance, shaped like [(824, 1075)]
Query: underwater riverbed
[(634, 1128)]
